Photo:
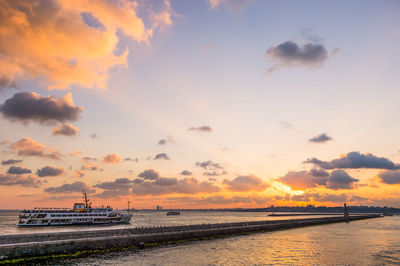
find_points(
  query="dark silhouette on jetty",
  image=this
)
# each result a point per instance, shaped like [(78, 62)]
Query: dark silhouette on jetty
[(173, 213)]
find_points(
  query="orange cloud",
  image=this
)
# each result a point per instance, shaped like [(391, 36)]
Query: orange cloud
[(75, 153), (77, 186), (70, 42), (78, 173), (112, 158), (65, 130), (334, 180), (29, 147), (246, 183), (90, 166), (19, 180)]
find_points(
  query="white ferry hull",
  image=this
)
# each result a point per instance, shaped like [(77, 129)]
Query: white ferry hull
[(35, 223)]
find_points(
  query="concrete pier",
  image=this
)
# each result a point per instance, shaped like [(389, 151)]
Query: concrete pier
[(43, 244)]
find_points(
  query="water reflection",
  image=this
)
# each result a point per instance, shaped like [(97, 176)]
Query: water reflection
[(367, 242)]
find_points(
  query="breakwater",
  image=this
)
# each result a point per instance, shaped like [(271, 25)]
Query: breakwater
[(43, 244), (302, 214)]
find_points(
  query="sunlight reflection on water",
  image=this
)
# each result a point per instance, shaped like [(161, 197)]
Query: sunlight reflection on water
[(367, 242)]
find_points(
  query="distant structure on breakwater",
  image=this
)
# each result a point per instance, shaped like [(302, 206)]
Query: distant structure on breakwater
[(44, 244)]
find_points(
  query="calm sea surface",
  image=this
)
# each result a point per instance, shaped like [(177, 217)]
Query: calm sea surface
[(367, 242)]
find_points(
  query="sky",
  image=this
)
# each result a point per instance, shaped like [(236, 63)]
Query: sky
[(199, 104)]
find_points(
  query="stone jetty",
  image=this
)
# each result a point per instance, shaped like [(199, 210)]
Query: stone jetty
[(44, 244)]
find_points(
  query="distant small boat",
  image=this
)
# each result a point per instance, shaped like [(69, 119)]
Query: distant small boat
[(173, 213)]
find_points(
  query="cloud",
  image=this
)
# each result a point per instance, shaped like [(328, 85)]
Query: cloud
[(356, 160), (119, 183), (164, 185), (114, 193), (94, 136), (70, 188), (161, 156), (78, 173), (319, 172), (3, 142), (115, 189), (186, 172), (87, 158), (231, 4), (320, 138), (11, 161), (112, 158), (65, 130), (19, 180), (390, 177), (90, 166), (215, 173), (290, 54), (149, 174), (165, 141), (201, 129), (302, 180), (18, 170), (31, 107), (284, 124), (66, 43), (7, 83), (50, 171), (209, 165), (339, 179), (246, 183), (162, 142), (75, 153), (29, 147), (153, 184), (26, 195), (128, 159)]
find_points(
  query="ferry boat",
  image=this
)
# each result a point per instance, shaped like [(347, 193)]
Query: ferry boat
[(80, 214)]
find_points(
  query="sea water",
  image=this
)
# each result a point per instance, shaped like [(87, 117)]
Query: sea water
[(365, 242)]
